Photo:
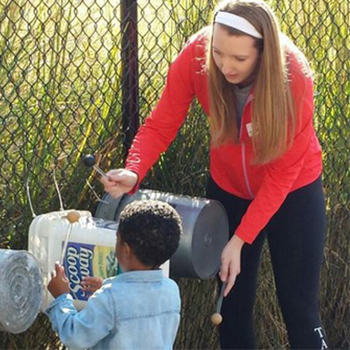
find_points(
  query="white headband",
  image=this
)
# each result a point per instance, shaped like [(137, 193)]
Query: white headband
[(237, 22)]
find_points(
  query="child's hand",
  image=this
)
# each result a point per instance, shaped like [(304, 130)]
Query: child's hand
[(91, 284), (59, 283)]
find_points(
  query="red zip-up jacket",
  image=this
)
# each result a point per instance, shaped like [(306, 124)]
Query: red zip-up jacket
[(231, 165)]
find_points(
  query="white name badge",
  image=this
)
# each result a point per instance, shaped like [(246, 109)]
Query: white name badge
[(249, 127)]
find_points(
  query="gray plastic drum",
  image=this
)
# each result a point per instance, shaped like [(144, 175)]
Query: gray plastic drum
[(205, 227), (21, 290)]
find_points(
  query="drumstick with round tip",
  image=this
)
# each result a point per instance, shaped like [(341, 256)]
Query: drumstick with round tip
[(73, 216), (90, 160), (216, 318)]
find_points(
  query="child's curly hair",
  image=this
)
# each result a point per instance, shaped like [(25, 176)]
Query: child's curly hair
[(152, 229)]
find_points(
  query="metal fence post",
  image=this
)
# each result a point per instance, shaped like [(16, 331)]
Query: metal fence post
[(130, 83)]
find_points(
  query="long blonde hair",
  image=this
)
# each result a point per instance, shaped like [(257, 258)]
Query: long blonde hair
[(273, 117)]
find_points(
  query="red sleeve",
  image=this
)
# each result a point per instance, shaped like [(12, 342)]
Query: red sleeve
[(161, 127), (281, 173)]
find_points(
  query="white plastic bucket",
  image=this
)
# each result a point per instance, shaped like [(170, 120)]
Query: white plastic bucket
[(21, 290), (90, 250)]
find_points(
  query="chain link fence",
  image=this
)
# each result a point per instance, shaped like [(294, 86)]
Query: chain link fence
[(79, 76)]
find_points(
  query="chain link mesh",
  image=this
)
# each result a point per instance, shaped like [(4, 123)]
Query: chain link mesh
[(79, 76)]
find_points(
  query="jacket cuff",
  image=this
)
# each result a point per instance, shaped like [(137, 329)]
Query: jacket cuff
[(60, 299), (244, 236), (139, 179)]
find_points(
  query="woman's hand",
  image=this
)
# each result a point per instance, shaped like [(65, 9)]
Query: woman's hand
[(231, 262), (59, 283), (119, 181), (91, 284)]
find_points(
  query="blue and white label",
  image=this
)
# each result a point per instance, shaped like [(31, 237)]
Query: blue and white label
[(83, 260)]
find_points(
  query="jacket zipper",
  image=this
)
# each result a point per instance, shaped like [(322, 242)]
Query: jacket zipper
[(244, 163), (245, 171)]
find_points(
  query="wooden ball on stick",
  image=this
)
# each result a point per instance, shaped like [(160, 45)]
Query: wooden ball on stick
[(73, 216), (216, 319)]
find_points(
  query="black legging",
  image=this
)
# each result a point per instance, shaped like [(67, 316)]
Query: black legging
[(296, 237)]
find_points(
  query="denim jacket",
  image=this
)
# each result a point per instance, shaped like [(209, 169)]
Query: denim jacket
[(137, 310)]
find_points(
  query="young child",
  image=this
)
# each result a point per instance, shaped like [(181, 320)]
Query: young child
[(138, 309)]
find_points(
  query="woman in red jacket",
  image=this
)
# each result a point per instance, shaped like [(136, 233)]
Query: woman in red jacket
[(265, 162)]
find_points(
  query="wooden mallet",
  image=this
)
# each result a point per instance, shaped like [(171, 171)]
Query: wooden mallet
[(73, 216), (216, 318), (89, 160)]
